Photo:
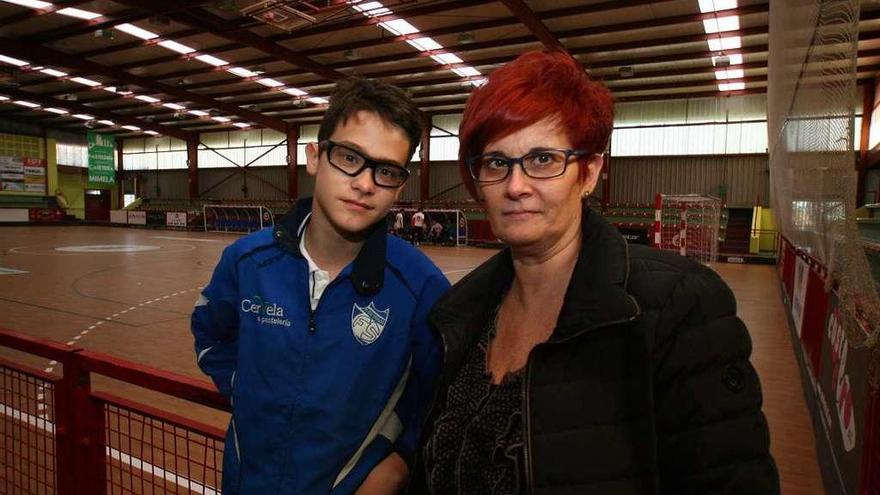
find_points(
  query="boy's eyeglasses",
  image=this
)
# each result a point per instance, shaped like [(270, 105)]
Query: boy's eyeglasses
[(352, 163)]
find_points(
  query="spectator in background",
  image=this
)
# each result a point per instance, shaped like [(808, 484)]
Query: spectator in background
[(436, 233), (418, 226)]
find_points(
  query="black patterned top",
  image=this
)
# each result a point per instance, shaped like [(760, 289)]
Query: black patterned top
[(477, 443)]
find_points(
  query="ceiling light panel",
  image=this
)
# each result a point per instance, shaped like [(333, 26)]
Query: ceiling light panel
[(59, 111), (729, 43), (721, 24), (13, 61), (79, 14), (26, 104), (82, 116), (31, 4), (131, 127), (84, 81), (53, 72), (177, 47), (707, 6), (212, 60), (136, 31), (148, 99), (106, 122)]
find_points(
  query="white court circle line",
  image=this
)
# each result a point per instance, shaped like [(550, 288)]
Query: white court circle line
[(108, 248)]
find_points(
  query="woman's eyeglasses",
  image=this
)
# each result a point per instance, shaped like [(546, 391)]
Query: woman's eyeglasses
[(538, 164)]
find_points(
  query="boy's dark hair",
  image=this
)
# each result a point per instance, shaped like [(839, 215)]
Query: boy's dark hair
[(388, 102)]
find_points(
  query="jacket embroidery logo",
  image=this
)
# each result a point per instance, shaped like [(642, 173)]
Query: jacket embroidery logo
[(367, 323)]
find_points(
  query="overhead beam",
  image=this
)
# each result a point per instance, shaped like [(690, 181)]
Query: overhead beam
[(536, 27), (209, 23), (340, 25), (101, 114), (48, 56)]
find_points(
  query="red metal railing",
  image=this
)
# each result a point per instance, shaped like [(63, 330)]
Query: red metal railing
[(61, 437)]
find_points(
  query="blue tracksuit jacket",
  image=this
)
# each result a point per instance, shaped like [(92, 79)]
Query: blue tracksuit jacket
[(318, 397)]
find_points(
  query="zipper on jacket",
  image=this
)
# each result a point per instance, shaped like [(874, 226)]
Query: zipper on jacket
[(313, 326), (527, 415)]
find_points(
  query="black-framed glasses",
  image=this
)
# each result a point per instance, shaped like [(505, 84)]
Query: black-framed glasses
[(545, 163), (352, 162)]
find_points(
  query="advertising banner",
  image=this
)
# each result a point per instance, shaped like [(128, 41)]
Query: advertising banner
[(843, 396), (175, 219), (801, 275), (137, 218), (20, 174), (102, 170)]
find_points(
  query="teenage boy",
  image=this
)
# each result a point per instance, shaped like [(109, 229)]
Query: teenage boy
[(316, 329)]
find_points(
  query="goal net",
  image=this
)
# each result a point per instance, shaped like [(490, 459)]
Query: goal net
[(688, 224), (236, 218), (443, 227)]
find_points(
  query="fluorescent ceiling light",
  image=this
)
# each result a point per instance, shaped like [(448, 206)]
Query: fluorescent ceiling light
[(131, 127), (3, 98), (79, 14), (136, 31), (13, 61), (148, 99), (720, 25), (479, 82), (317, 100), (716, 5), (399, 27), (151, 133), (199, 113), (221, 119), (241, 72), (212, 60), (26, 104), (53, 72), (83, 116), (729, 74), (447, 58), (106, 122), (466, 71), (733, 59), (87, 82), (33, 4), (243, 125), (371, 9), (731, 86), (177, 47), (173, 106), (59, 111), (425, 44), (272, 83), (730, 43), (295, 92)]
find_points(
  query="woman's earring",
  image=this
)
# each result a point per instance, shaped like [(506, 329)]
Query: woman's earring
[(587, 193)]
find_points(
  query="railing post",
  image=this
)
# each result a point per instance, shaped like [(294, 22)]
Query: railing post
[(79, 433)]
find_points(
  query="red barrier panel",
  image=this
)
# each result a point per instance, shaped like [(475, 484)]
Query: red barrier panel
[(61, 437), (847, 409)]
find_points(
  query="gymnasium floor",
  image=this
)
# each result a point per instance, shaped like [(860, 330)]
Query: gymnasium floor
[(129, 293)]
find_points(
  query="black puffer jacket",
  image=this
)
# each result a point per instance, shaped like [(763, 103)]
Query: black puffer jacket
[(644, 387)]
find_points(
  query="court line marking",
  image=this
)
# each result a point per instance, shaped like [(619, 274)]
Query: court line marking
[(123, 458), (11, 271), (53, 364), (183, 238)]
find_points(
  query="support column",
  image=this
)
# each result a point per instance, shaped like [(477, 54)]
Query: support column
[(292, 174), (120, 183), (424, 169), (192, 166), (864, 138)]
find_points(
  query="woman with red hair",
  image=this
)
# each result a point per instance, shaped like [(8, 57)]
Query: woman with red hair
[(576, 364)]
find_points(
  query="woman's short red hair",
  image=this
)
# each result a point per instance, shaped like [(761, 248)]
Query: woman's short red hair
[(533, 87)]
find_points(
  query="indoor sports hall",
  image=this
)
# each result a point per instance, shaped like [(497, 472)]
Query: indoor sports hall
[(139, 138)]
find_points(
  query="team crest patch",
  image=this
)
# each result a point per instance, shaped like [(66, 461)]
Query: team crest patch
[(367, 323)]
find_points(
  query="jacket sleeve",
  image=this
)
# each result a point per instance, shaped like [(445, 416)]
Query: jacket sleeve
[(426, 359), (214, 324), (713, 437)]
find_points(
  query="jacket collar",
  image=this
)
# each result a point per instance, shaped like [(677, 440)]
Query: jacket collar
[(596, 294), (368, 267)]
